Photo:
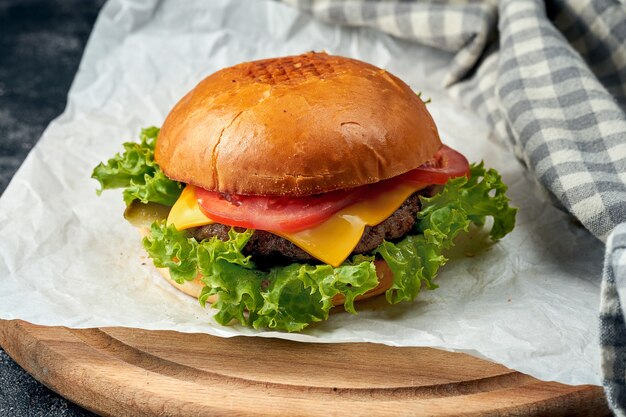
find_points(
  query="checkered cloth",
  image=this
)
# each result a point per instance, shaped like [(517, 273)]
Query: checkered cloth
[(551, 78), (612, 326)]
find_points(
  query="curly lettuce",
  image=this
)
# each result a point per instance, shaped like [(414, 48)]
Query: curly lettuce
[(136, 171), (285, 298), (416, 259), (292, 297)]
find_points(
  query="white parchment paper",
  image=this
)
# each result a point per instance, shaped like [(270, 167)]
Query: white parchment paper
[(67, 257)]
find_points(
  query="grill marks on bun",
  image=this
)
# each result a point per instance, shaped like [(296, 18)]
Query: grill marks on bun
[(294, 69), (297, 125)]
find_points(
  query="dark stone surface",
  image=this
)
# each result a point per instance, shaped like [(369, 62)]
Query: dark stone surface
[(41, 43)]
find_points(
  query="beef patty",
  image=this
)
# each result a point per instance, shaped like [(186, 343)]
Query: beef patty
[(265, 244)]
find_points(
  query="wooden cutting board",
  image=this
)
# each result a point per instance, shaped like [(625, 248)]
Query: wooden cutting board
[(130, 372)]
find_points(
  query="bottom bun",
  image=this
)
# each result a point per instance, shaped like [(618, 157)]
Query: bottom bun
[(194, 288)]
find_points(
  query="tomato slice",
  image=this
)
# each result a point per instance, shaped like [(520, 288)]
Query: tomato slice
[(445, 164), (288, 214), (292, 214)]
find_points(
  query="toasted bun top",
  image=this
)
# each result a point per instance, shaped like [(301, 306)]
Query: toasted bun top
[(296, 125)]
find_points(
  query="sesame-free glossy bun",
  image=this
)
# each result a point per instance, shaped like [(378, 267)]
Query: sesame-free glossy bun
[(297, 125)]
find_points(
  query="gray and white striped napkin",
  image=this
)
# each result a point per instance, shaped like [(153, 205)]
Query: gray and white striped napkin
[(551, 78)]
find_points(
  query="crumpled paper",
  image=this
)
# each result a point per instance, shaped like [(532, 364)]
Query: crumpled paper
[(67, 257)]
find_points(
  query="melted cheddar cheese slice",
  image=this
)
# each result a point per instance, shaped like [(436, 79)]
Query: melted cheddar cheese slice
[(331, 241)]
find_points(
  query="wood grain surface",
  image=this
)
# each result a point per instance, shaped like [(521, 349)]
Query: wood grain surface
[(131, 372)]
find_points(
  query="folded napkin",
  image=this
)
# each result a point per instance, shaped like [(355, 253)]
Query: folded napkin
[(551, 79)]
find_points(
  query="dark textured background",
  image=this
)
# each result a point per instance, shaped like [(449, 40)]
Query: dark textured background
[(41, 43)]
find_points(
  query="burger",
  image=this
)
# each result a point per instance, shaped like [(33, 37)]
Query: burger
[(278, 189)]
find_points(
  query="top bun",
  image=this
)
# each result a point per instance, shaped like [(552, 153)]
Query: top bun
[(297, 125)]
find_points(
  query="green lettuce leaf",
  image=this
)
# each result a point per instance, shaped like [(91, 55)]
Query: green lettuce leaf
[(416, 259), (136, 171), (294, 296), (284, 298), (172, 249), (298, 295), (231, 275)]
